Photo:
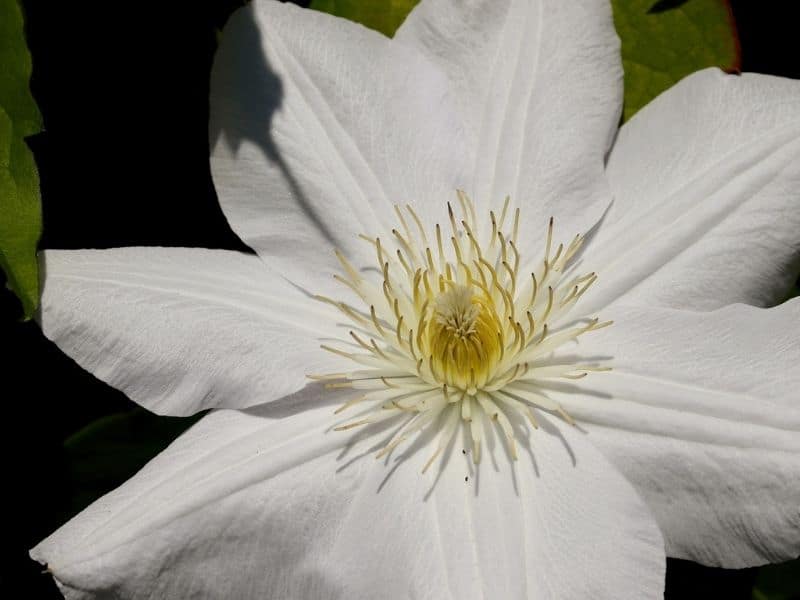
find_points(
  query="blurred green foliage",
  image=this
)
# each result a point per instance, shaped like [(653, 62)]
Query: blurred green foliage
[(778, 582), (20, 206), (664, 42)]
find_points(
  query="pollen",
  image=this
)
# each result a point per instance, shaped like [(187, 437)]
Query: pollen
[(459, 330)]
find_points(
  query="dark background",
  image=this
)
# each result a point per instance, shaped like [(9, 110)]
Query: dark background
[(123, 160)]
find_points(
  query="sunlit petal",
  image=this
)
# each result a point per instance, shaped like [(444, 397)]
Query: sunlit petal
[(540, 83), (706, 210), (701, 414), (248, 505), (319, 126), (184, 329)]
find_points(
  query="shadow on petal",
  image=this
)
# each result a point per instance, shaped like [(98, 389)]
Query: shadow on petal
[(313, 395), (248, 116)]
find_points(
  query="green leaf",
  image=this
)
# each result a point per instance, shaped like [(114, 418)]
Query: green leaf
[(107, 452), (20, 206), (663, 42), (778, 582), (382, 15)]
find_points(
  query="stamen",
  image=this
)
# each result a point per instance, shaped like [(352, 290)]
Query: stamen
[(503, 213), (419, 224), (350, 269), (438, 339)]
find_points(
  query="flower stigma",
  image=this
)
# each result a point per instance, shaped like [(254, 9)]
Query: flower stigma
[(455, 332)]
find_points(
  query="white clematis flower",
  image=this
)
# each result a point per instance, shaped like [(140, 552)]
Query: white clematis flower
[(319, 127)]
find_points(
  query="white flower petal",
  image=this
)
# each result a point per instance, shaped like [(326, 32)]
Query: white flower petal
[(541, 84), (180, 330), (566, 525), (250, 505), (701, 414), (706, 210), (319, 126)]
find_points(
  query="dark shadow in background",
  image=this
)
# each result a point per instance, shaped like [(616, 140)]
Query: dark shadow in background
[(123, 159), (664, 5)]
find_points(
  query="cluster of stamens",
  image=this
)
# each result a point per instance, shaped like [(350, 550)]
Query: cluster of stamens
[(454, 333)]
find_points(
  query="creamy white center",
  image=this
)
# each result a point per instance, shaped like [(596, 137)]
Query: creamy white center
[(455, 333)]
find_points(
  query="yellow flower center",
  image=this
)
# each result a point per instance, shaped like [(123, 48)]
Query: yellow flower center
[(453, 335), (463, 338)]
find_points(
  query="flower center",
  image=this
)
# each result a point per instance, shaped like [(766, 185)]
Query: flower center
[(463, 341), (453, 335)]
